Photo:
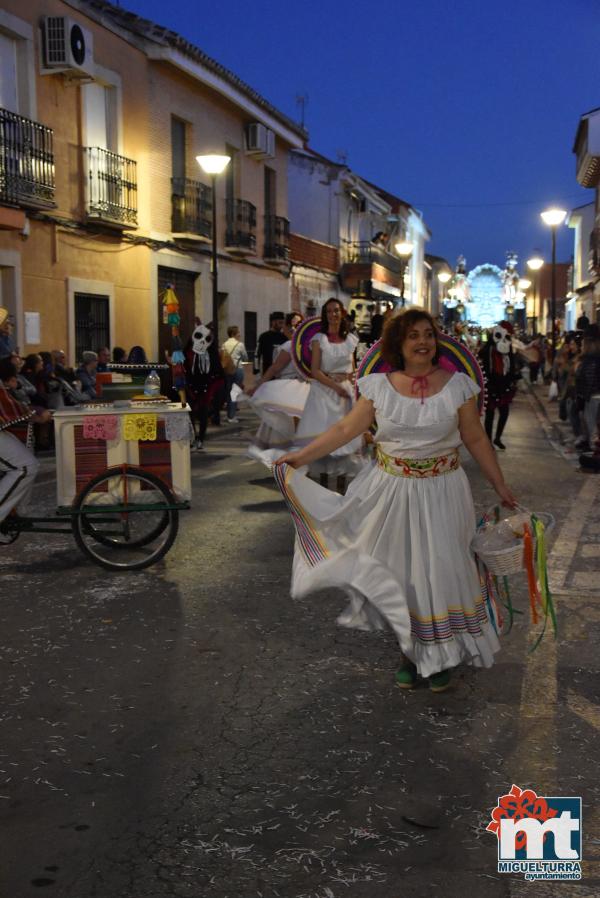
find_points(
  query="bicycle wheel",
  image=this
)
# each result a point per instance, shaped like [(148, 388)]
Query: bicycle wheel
[(123, 521)]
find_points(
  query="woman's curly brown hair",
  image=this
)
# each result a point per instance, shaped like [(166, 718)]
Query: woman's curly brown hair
[(344, 326), (394, 334)]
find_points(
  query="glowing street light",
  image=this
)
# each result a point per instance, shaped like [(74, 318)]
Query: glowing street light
[(553, 218), (535, 263), (404, 249)]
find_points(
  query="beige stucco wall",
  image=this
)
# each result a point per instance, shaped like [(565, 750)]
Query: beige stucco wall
[(52, 254), (213, 122), (51, 257)]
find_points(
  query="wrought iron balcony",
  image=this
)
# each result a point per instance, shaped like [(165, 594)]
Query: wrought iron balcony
[(240, 235), (191, 204), (277, 239), (26, 162), (594, 253), (365, 252), (111, 188)]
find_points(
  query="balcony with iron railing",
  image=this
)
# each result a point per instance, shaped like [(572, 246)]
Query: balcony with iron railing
[(594, 253), (364, 261), (277, 239), (240, 235), (26, 162), (365, 252), (191, 208), (111, 188)]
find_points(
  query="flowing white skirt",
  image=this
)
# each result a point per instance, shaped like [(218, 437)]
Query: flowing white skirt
[(400, 548), (323, 409), (277, 403)]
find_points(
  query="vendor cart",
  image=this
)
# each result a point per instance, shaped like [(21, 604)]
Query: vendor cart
[(123, 476)]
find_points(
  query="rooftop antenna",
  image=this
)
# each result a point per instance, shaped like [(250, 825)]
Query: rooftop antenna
[(302, 102)]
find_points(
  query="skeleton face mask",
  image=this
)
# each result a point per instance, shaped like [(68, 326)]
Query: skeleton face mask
[(502, 339), (201, 339)]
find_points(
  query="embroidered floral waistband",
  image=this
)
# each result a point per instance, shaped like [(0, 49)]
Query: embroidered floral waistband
[(417, 467)]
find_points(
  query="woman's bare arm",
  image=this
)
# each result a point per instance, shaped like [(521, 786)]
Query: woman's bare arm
[(353, 425), (476, 440), (281, 362)]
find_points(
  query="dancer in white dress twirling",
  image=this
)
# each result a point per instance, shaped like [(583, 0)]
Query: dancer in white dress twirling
[(280, 397), (331, 395), (399, 541)]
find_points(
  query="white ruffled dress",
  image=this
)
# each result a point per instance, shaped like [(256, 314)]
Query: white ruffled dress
[(277, 403), (325, 408), (399, 546)]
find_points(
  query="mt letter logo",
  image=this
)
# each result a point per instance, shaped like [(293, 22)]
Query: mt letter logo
[(532, 828)]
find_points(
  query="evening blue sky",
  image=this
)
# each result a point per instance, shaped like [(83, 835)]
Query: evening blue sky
[(468, 110)]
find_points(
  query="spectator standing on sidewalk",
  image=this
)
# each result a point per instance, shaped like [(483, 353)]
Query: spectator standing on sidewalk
[(567, 362), (233, 356), (583, 322), (587, 382), (268, 340)]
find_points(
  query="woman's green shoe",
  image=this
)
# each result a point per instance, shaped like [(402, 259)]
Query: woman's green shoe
[(439, 682), (406, 677)]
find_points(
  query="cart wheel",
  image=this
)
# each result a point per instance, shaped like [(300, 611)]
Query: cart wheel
[(8, 537), (123, 519)]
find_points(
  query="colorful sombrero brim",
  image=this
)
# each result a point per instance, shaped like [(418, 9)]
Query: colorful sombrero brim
[(454, 356), (302, 339)]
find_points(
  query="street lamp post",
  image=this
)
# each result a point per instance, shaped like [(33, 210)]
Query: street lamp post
[(214, 164), (404, 249), (523, 284), (443, 278), (553, 218), (535, 263)]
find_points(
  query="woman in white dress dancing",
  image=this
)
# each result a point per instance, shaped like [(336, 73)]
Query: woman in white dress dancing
[(280, 397), (399, 541), (331, 395)]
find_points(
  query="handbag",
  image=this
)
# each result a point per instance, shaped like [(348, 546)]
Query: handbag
[(553, 390)]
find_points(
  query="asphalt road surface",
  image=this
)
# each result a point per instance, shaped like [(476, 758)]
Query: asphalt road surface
[(192, 731)]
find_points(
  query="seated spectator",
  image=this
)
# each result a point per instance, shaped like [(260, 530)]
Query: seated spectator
[(137, 356), (7, 341), (61, 369), (19, 463), (50, 384), (32, 369), (86, 374), (24, 392), (119, 356), (103, 358)]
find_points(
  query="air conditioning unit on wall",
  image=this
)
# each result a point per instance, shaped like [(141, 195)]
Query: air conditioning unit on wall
[(260, 140), (66, 47)]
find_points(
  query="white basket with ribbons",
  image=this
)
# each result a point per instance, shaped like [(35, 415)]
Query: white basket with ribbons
[(499, 542)]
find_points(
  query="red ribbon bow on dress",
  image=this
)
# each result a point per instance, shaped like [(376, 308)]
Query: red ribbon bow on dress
[(420, 384)]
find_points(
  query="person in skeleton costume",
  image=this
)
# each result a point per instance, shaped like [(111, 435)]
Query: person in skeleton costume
[(498, 362), (205, 379)]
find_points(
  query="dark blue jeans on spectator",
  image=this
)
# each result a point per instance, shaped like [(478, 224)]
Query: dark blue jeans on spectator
[(230, 379)]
